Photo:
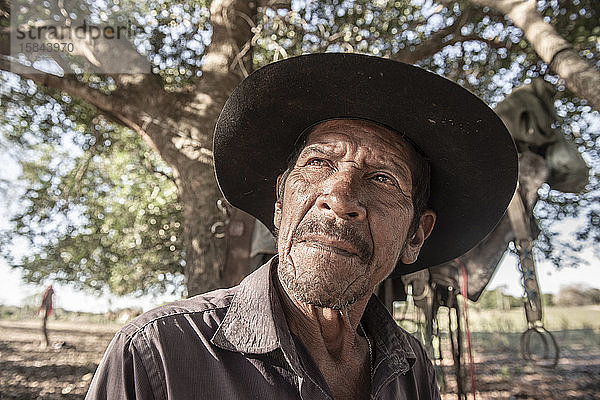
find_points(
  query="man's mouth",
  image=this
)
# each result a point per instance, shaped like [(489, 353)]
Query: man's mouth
[(343, 239), (333, 245)]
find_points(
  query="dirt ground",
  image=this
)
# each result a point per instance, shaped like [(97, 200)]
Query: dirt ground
[(65, 369), (62, 371), (502, 374)]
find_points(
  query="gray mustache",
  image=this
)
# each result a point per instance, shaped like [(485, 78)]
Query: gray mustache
[(345, 232)]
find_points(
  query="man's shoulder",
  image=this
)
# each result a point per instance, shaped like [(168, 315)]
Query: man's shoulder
[(206, 309), (160, 345)]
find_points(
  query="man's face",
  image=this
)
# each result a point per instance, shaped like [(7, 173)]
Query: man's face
[(345, 213)]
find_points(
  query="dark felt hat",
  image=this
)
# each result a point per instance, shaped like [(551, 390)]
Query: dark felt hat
[(473, 158)]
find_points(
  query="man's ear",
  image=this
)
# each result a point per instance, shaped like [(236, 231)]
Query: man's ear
[(277, 213), (413, 245)]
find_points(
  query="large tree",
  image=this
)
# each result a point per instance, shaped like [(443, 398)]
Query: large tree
[(117, 168)]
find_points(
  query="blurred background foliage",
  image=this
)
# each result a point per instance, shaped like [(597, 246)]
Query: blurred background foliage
[(93, 204), (96, 205)]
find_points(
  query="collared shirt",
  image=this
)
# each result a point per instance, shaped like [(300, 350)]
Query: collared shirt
[(235, 344)]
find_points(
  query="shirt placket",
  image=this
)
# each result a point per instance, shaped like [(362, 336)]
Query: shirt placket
[(307, 385)]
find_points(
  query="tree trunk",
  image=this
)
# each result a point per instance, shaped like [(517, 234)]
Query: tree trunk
[(197, 113)]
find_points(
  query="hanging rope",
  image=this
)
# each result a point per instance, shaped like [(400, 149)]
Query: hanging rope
[(464, 293)]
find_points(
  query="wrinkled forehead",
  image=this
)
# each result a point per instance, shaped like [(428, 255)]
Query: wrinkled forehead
[(362, 133)]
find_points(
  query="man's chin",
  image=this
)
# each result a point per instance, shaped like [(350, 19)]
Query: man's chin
[(322, 278), (323, 300), (319, 291)]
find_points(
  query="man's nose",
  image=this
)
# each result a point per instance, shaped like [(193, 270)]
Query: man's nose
[(340, 197)]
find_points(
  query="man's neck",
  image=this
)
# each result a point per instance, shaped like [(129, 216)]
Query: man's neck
[(335, 330), (332, 339)]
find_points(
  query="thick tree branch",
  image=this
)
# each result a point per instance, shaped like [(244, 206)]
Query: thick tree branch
[(579, 75), (227, 61), (199, 105), (96, 55), (188, 115), (116, 107), (231, 21), (134, 91)]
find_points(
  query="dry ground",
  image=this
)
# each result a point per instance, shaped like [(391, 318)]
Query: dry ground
[(502, 374), (28, 371)]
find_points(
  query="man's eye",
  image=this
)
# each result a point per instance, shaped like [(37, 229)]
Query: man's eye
[(317, 162), (381, 178)]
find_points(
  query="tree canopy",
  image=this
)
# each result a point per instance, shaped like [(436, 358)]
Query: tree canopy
[(119, 191), (88, 203)]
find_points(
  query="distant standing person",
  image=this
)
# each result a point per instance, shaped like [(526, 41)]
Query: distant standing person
[(47, 307)]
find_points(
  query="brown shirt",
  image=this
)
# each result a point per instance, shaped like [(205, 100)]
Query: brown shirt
[(235, 344)]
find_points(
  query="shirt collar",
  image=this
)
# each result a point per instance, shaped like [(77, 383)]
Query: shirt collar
[(249, 326), (255, 323), (391, 343)]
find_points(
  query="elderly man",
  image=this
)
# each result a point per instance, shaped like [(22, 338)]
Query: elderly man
[(337, 154)]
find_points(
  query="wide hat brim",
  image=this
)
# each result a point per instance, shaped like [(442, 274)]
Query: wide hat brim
[(473, 158)]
